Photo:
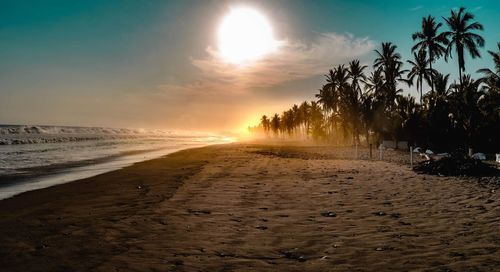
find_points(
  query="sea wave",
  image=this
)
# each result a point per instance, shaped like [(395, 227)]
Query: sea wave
[(36, 129), (35, 134)]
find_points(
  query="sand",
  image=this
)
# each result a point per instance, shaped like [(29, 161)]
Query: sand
[(246, 207)]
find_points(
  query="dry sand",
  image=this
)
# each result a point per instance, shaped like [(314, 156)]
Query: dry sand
[(244, 207)]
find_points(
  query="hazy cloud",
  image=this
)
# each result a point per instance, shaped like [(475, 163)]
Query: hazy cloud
[(221, 86), (293, 60)]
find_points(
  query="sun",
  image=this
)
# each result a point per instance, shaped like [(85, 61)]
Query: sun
[(245, 35)]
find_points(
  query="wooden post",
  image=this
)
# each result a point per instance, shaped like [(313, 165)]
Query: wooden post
[(411, 156), (370, 151), (356, 150), (380, 155)]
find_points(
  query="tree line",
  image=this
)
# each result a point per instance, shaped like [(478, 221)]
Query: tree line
[(355, 107)]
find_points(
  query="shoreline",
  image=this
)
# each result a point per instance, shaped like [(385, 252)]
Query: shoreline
[(243, 206), (13, 185)]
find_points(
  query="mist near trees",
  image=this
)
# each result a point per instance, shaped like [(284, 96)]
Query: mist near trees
[(354, 106)]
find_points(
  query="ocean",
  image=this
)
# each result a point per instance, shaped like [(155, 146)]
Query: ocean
[(35, 157)]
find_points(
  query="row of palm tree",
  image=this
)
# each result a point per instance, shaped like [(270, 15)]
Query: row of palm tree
[(352, 105)]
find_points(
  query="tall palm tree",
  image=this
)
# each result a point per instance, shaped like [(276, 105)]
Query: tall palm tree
[(491, 99), (343, 89), (352, 97), (462, 37), (316, 119), (492, 78), (296, 118), (374, 83), (367, 113), (266, 124), (356, 73), (390, 62), (387, 58), (441, 82), (420, 70), (373, 106), (327, 94), (466, 108), (275, 124), (304, 110), (287, 121), (431, 41)]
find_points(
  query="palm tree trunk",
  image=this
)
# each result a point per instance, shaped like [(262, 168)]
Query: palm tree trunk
[(432, 75), (421, 90), (460, 75)]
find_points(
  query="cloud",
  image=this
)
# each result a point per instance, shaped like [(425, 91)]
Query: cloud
[(416, 8), (221, 87), (293, 60)]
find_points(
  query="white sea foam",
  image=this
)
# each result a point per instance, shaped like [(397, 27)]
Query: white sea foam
[(36, 156), (30, 134)]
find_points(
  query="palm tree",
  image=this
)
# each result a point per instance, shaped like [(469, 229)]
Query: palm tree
[(275, 124), (304, 110), (430, 41), (356, 73), (316, 120), (490, 102), (352, 96), (326, 96), (387, 58), (420, 71), (374, 82), (461, 37), (406, 111), (343, 88), (492, 78), (374, 107), (296, 118), (441, 82), (442, 89), (390, 62), (367, 113), (438, 124), (266, 124), (467, 113)]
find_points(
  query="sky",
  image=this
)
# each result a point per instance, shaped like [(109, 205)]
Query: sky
[(156, 64)]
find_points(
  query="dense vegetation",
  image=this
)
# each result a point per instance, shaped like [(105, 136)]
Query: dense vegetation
[(353, 107)]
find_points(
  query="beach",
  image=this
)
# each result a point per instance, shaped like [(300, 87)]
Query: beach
[(256, 207)]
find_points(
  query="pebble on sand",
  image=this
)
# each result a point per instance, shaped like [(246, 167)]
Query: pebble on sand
[(328, 214)]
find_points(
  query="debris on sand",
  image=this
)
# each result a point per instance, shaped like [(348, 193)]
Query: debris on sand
[(199, 212), (328, 214), (456, 166), (479, 156), (379, 213), (293, 255), (395, 215)]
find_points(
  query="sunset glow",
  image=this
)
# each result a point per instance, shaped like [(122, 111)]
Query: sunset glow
[(245, 35), (249, 135)]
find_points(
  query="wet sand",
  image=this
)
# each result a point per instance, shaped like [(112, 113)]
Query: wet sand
[(244, 207)]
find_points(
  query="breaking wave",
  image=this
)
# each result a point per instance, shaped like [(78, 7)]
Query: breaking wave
[(26, 134)]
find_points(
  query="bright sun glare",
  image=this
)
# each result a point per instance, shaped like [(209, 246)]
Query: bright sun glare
[(245, 35)]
